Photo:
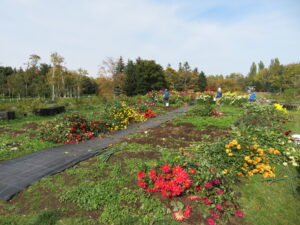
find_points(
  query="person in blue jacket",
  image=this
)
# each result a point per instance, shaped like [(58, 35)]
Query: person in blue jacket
[(218, 96), (252, 97), (166, 97)]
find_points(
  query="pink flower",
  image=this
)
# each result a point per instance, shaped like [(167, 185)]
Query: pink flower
[(217, 181), (193, 197), (239, 213), (207, 202), (208, 185), (178, 216), (219, 207), (220, 191), (210, 221)]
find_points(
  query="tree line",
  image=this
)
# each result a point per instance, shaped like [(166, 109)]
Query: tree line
[(45, 80), (137, 77)]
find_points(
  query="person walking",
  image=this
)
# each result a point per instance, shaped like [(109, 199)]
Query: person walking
[(166, 97), (218, 96)]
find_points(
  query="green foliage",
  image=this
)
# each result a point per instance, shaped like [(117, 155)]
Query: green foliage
[(143, 76), (202, 82), (202, 110)]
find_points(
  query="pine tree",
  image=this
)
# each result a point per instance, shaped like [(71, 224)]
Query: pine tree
[(202, 81)]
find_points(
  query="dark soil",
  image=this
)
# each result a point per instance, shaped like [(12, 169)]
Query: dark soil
[(179, 136)]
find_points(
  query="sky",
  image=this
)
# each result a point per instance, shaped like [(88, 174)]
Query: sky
[(216, 36)]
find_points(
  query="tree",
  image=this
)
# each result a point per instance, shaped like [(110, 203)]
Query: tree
[(56, 60), (202, 82), (253, 70), (81, 73), (143, 76), (261, 65)]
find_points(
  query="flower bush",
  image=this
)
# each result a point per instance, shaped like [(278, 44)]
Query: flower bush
[(280, 108), (118, 115), (197, 182), (229, 98), (72, 128)]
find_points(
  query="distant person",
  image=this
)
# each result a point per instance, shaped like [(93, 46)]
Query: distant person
[(218, 96), (166, 97), (252, 97)]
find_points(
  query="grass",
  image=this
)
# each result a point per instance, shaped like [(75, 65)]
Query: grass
[(200, 122), (97, 192), (271, 202), (13, 147), (294, 124)]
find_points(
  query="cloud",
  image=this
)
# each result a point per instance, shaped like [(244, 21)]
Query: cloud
[(215, 36)]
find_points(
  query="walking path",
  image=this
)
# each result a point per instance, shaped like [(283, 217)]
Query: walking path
[(17, 174)]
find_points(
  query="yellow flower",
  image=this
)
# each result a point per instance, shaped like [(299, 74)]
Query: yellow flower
[(276, 152), (234, 142), (271, 150), (239, 174), (228, 151), (250, 174), (227, 146), (238, 147), (254, 139), (247, 158), (230, 154), (255, 171), (255, 146), (225, 171)]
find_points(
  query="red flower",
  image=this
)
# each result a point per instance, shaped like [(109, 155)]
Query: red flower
[(283, 122), (198, 188), (72, 129), (239, 213), (288, 132), (177, 169), (152, 174), (165, 168), (142, 184), (187, 212), (193, 172), (141, 174)]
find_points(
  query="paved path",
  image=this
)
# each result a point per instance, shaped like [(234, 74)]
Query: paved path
[(17, 174)]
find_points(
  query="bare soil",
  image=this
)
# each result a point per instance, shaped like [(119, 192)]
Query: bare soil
[(179, 136)]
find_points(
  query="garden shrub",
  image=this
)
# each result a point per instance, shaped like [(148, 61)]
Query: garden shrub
[(202, 110), (72, 128)]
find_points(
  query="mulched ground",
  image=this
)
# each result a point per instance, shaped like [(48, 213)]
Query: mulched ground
[(179, 136)]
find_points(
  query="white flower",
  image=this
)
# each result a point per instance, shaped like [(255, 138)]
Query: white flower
[(295, 164), (288, 153), (285, 164)]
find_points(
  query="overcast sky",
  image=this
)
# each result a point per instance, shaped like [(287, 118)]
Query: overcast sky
[(217, 36)]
